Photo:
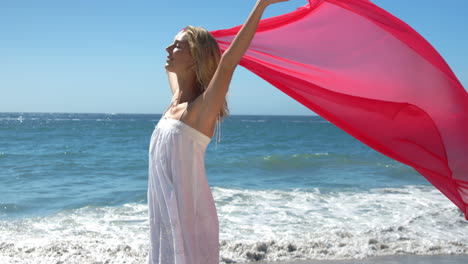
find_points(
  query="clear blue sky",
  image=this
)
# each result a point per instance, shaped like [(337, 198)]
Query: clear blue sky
[(107, 56)]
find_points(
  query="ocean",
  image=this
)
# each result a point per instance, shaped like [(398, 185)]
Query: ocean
[(73, 190)]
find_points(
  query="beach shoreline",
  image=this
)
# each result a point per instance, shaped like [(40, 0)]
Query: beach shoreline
[(392, 259), (281, 194)]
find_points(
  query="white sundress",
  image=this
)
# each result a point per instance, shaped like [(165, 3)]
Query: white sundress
[(184, 226)]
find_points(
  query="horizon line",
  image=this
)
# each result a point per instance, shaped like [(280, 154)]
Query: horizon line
[(116, 113)]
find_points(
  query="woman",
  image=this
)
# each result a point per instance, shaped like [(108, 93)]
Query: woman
[(182, 213)]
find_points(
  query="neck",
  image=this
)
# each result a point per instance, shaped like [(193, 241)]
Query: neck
[(187, 91)]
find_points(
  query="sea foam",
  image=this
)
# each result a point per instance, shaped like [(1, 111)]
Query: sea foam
[(255, 225)]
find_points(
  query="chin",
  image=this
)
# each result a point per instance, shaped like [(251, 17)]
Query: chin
[(168, 67)]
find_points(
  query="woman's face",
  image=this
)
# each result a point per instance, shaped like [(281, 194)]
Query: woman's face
[(179, 58)]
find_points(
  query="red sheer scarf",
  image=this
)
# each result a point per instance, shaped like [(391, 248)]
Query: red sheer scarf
[(373, 76)]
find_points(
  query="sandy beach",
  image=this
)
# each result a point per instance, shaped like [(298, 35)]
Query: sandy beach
[(405, 259)]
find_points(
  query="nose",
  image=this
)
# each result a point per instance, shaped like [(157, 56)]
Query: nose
[(170, 48)]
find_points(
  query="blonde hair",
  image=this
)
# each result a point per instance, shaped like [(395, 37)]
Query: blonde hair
[(206, 55)]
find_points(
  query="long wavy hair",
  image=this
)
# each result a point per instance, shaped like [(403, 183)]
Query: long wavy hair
[(206, 55)]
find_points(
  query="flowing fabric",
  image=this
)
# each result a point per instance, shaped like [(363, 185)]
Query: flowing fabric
[(373, 76)]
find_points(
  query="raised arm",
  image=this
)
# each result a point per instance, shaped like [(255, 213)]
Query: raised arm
[(241, 42), (213, 97), (172, 77)]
